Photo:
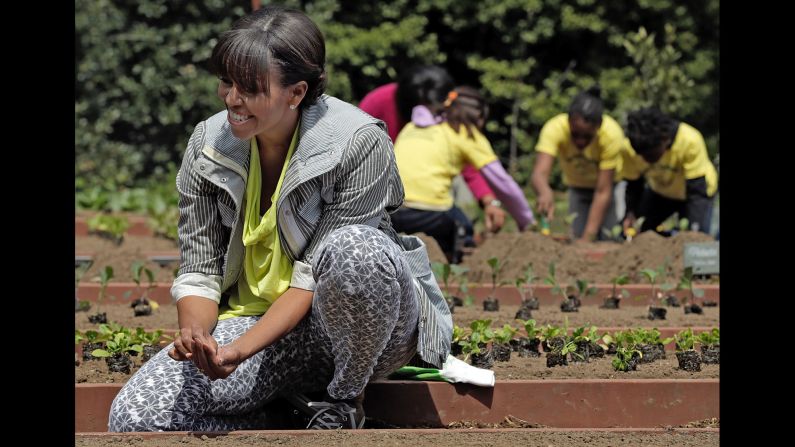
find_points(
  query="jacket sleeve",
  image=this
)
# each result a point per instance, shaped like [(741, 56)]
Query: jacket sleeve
[(202, 237)]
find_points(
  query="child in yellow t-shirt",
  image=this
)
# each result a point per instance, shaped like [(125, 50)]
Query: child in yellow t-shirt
[(672, 158), (430, 154)]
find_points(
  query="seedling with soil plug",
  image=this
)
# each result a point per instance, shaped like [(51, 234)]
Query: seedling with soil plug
[(686, 283), (142, 306), (491, 303), (104, 278), (613, 300), (688, 358), (524, 284), (655, 313), (442, 270), (477, 344), (710, 346), (568, 305), (528, 346), (117, 352), (501, 345)]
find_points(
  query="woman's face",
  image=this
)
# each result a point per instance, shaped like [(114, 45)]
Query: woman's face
[(250, 115)]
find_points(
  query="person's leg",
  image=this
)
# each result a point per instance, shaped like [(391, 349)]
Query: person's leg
[(363, 325), (463, 221), (705, 225), (169, 395), (619, 199), (436, 224), (580, 203), (656, 208), (610, 218), (366, 302), (464, 235)]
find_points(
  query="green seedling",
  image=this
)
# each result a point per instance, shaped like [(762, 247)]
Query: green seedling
[(460, 276), (686, 283), (119, 344), (531, 329), (112, 226), (710, 338), (685, 341), (505, 334), (624, 355)]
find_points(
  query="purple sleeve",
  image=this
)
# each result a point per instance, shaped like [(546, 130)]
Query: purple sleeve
[(476, 183), (509, 193), (421, 116)]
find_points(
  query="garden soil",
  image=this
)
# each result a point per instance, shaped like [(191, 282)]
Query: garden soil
[(371, 438)]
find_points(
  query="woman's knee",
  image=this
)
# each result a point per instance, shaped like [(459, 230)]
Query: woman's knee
[(357, 251)]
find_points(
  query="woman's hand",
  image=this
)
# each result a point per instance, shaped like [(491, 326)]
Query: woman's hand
[(196, 315), (213, 361), (183, 343)]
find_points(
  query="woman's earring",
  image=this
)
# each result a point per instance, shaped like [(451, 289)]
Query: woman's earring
[(293, 106)]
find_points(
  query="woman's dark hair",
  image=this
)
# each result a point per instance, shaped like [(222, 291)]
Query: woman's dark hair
[(588, 105), (273, 36), (424, 85), (467, 107), (648, 128)]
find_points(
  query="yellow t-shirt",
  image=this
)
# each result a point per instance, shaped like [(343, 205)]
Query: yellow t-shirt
[(267, 271), (428, 159), (685, 160), (581, 167)]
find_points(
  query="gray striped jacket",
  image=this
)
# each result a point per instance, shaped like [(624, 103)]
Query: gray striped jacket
[(343, 172)]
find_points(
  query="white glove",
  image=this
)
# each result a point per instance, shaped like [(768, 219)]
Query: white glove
[(462, 372)]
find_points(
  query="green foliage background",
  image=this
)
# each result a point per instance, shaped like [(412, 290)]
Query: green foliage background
[(141, 79)]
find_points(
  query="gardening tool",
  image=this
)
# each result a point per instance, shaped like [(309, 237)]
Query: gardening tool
[(544, 225), (453, 371)]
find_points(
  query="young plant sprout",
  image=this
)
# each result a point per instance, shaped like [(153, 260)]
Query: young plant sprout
[(112, 227), (567, 305), (442, 270), (612, 301), (142, 305), (491, 303), (524, 284), (459, 274), (104, 278), (626, 359), (686, 283), (501, 345), (480, 335), (654, 312), (688, 358), (584, 289)]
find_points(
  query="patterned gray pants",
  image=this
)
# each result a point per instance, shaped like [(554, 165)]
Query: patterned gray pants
[(362, 326)]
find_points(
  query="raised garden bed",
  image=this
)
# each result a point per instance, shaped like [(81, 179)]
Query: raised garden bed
[(165, 317), (96, 371), (161, 292), (551, 403), (528, 393)]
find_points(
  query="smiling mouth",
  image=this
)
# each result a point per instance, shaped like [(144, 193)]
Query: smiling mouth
[(238, 118)]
